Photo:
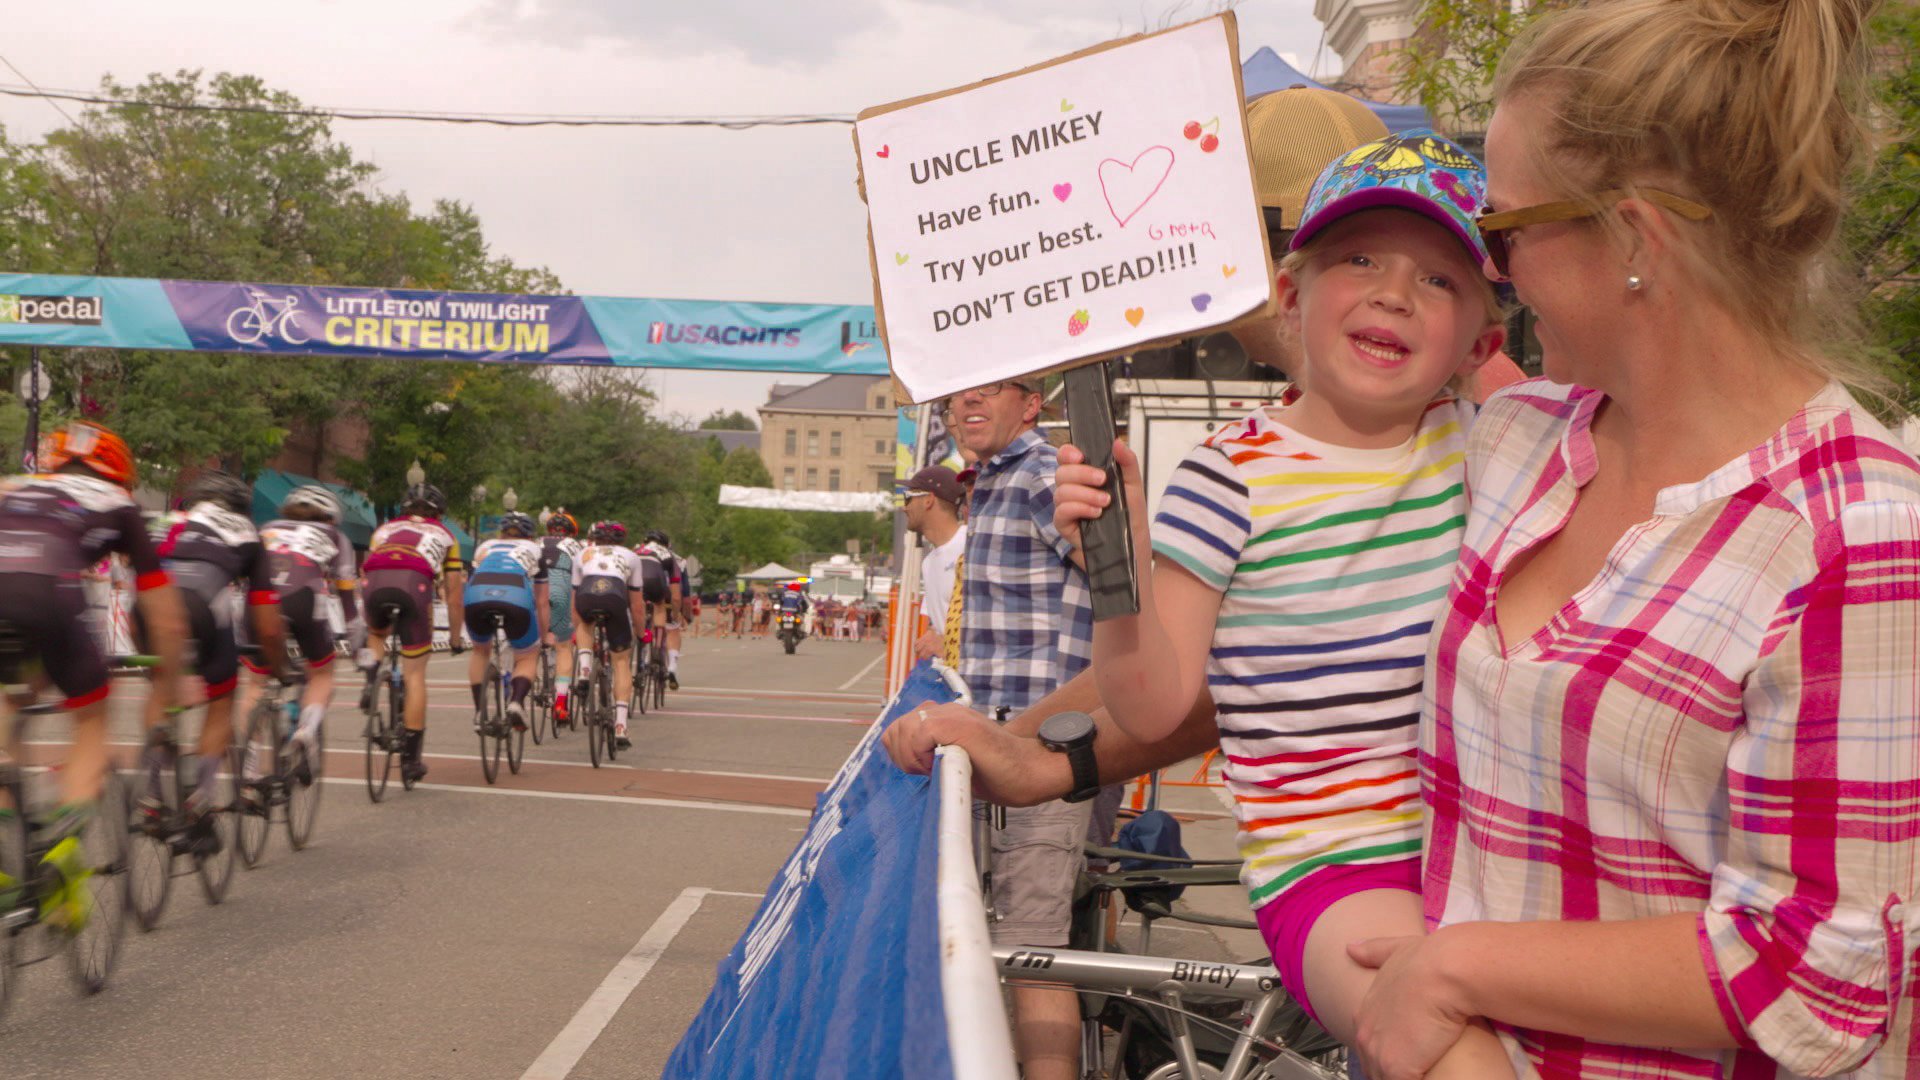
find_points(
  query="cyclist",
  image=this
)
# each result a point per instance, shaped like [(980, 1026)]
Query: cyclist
[(310, 560), (54, 526), (212, 548), (562, 548), (408, 555), (610, 582), (509, 582), (666, 618)]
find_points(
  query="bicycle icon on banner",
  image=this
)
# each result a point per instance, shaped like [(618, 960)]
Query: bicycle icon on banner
[(267, 315)]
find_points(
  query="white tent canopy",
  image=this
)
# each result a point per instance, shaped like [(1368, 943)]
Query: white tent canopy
[(773, 571)]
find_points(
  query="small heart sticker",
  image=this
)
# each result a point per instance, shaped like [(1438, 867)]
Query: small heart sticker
[(1061, 191), (1201, 301), (1134, 315), (883, 151), (1228, 271), (899, 259), (1065, 105)]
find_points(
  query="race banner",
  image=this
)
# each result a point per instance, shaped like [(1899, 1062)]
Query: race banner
[(416, 324), (841, 967), (1079, 209)]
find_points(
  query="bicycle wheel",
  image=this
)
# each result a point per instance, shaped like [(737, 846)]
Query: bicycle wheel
[(15, 894), (303, 786), (540, 703), (493, 721), (608, 708), (396, 691), (150, 852), (216, 869), (254, 758), (659, 664), (514, 737), (640, 677), (92, 952), (586, 705), (382, 734)]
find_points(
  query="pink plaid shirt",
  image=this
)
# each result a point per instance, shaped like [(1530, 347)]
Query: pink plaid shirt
[(1725, 721)]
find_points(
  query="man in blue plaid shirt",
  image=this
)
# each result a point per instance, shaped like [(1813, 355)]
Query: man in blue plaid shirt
[(1026, 621)]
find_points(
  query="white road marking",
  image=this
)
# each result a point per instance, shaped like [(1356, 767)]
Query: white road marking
[(623, 800), (863, 672), (751, 775), (568, 1047)]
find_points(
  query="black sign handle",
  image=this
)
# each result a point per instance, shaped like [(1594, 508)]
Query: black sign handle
[(1107, 540)]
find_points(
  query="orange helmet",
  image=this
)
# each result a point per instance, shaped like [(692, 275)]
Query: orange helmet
[(91, 445), (562, 522)]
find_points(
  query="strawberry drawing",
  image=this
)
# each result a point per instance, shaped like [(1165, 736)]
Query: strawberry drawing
[(1078, 323)]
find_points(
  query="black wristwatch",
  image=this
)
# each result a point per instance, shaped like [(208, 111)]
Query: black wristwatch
[(1071, 733)]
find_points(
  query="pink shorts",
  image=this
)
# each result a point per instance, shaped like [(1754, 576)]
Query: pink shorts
[(1286, 920)]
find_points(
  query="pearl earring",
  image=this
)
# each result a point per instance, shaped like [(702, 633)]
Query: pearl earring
[(1633, 282)]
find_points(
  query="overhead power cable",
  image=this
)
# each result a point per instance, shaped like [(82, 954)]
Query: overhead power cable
[(730, 123)]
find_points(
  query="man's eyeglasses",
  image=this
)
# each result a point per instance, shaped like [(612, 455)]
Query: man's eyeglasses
[(989, 390), (1495, 225)]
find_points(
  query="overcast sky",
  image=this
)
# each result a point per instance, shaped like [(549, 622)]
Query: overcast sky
[(765, 214)]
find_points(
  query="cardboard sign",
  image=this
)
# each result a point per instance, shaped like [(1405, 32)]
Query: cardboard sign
[(1075, 210)]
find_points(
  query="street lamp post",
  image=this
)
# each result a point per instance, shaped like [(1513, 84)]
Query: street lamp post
[(478, 496)]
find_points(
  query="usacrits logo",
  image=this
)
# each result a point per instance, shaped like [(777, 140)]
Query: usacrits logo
[(726, 336), (51, 310)]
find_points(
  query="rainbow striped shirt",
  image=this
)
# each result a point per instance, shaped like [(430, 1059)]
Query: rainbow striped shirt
[(1333, 564)]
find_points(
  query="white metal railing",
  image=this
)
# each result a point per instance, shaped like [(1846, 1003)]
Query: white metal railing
[(977, 1034)]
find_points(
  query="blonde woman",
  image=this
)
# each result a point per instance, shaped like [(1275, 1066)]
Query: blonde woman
[(1671, 742)]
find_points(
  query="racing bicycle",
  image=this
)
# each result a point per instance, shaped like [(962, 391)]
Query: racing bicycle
[(31, 883), (592, 699), (276, 774), (386, 707), (492, 722)]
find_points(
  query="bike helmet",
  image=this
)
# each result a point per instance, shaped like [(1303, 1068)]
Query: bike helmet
[(562, 522), (655, 536), (100, 450), (607, 532), (516, 524), (224, 490), (424, 499), (313, 499)]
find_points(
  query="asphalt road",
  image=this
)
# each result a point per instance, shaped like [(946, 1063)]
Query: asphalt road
[(458, 929), (563, 924)]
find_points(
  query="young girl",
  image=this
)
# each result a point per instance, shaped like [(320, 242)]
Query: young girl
[(1305, 552)]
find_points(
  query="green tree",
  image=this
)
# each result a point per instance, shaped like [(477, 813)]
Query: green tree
[(1883, 232), (733, 420), (237, 195), (1449, 67)]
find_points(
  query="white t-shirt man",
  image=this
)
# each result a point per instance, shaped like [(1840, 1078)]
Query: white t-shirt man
[(936, 577)]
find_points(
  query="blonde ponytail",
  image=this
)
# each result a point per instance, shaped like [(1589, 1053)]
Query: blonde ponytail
[(1748, 106)]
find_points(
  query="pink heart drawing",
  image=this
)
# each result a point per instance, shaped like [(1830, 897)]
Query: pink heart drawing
[(1061, 191), (1129, 187)]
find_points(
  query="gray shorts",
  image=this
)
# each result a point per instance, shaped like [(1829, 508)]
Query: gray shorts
[(1036, 862)]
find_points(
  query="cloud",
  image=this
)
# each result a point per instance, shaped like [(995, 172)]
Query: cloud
[(778, 33), (815, 33)]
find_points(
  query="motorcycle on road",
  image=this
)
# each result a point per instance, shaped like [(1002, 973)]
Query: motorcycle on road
[(791, 630)]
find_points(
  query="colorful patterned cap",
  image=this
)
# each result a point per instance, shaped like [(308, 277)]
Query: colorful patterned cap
[(1412, 170)]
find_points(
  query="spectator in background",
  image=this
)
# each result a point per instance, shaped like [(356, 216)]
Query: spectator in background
[(933, 507)]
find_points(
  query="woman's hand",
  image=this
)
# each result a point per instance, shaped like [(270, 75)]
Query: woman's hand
[(1407, 1019)]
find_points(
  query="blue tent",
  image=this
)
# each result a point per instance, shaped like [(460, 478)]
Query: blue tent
[(1264, 72), (271, 486)]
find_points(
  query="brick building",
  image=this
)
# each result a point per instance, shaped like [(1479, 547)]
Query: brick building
[(833, 435), (1366, 33)]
